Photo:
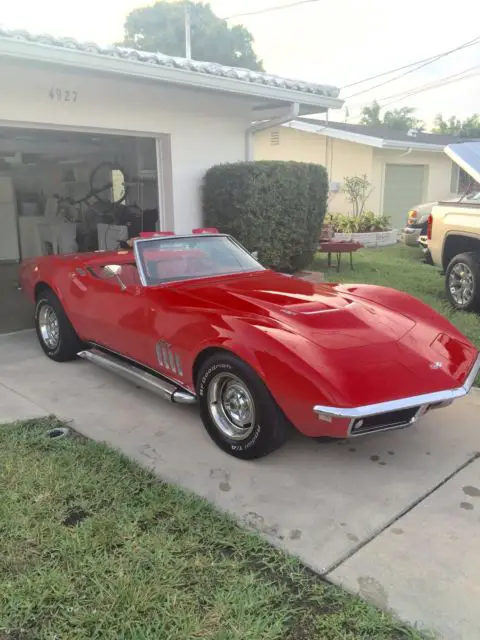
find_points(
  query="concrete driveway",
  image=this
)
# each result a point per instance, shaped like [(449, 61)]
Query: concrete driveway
[(393, 517)]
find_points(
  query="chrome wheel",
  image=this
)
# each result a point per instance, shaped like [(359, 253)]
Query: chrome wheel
[(461, 284), (48, 326), (231, 406)]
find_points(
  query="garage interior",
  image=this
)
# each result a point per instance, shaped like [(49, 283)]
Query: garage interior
[(62, 192)]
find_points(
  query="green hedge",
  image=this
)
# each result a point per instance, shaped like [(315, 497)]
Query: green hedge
[(275, 208)]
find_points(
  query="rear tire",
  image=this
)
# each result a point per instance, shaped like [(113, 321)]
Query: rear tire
[(55, 332), (237, 410), (462, 281)]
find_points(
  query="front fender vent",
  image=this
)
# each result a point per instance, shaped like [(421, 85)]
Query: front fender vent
[(168, 358)]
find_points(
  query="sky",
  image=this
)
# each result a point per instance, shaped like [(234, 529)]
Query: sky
[(334, 42)]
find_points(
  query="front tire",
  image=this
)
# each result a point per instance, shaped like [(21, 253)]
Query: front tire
[(55, 332), (237, 410), (462, 281)]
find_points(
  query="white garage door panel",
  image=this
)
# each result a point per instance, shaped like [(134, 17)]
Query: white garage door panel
[(403, 190)]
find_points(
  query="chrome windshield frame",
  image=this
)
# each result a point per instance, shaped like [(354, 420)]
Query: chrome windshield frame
[(140, 266)]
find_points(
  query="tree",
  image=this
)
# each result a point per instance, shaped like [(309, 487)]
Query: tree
[(469, 128), (161, 27), (398, 119), (402, 119), (357, 190), (371, 115)]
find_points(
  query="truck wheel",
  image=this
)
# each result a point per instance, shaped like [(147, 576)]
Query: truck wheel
[(462, 281), (237, 410), (55, 332)]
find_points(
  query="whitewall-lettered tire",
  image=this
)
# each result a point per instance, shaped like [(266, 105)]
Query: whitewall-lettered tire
[(462, 281), (55, 332), (237, 410)]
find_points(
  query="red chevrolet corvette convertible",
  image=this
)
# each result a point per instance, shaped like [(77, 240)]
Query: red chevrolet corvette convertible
[(197, 318)]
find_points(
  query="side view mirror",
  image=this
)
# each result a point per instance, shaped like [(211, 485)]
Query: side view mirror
[(115, 271), (255, 255)]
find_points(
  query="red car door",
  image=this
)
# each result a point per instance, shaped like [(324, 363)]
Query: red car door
[(107, 313)]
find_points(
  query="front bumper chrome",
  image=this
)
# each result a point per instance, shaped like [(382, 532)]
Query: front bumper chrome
[(400, 416)]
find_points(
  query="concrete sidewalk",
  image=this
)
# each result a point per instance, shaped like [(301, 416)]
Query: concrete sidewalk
[(339, 507)]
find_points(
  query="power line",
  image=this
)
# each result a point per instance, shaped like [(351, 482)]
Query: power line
[(387, 73), (268, 9), (420, 65), (456, 77)]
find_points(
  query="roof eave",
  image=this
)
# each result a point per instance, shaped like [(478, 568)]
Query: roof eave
[(359, 138), (324, 130), (35, 52), (416, 146)]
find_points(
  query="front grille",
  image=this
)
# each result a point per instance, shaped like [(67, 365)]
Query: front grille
[(390, 420)]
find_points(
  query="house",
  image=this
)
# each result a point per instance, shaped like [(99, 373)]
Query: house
[(78, 119), (404, 169)]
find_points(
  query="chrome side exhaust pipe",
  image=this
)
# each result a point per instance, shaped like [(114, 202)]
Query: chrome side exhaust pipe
[(128, 371)]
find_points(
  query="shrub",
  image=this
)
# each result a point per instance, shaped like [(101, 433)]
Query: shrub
[(364, 223), (275, 208)]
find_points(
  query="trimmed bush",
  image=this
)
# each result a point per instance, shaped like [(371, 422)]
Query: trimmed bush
[(275, 208)]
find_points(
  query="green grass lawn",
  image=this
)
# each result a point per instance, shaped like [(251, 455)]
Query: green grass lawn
[(400, 267), (92, 546)]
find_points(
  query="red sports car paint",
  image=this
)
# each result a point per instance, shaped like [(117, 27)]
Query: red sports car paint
[(327, 344)]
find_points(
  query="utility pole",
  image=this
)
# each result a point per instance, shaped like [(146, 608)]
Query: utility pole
[(188, 33)]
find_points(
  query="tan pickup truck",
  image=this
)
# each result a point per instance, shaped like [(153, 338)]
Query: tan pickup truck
[(453, 235)]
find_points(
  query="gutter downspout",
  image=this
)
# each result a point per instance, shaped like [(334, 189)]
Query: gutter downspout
[(293, 112), (405, 153)]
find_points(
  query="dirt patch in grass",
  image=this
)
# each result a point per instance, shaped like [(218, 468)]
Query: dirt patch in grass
[(95, 547), (75, 516)]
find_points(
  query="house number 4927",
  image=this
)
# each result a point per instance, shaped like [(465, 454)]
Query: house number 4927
[(62, 95)]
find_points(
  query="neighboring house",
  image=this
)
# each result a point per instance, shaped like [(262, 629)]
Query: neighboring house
[(404, 168)]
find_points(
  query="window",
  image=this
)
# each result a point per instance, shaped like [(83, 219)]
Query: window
[(461, 182), (175, 258)]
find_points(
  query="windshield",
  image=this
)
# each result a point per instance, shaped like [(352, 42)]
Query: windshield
[(168, 259)]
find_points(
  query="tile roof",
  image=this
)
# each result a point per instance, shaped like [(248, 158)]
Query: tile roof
[(163, 60)]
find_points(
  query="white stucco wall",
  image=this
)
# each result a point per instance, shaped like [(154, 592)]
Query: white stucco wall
[(340, 158), (199, 129), (437, 174), (346, 159), (293, 144)]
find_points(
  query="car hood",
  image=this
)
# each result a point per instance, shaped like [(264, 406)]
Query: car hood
[(363, 339)]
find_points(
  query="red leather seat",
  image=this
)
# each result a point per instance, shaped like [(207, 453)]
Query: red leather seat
[(181, 264), (172, 267), (129, 275)]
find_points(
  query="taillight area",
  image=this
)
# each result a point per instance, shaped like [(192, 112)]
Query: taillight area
[(429, 227)]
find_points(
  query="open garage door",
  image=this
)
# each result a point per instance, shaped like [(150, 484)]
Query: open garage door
[(62, 192)]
